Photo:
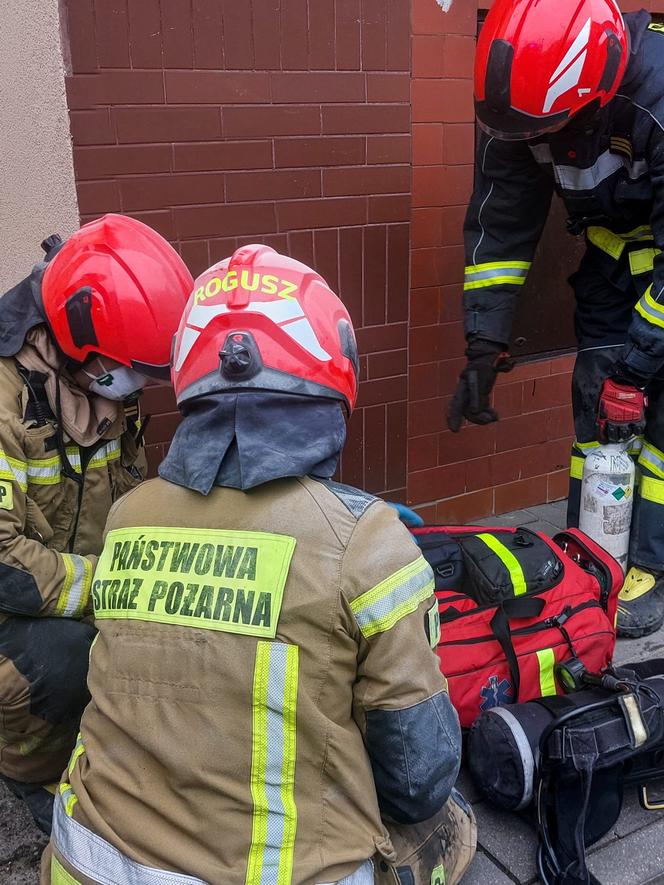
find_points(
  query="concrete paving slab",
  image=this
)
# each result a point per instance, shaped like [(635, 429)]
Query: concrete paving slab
[(21, 842), (543, 525), (515, 518), (631, 861), (644, 649), (483, 871), (466, 786), (509, 839), (555, 513)]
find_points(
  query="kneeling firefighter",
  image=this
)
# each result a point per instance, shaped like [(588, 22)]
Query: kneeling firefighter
[(263, 684), (570, 97), (78, 337)]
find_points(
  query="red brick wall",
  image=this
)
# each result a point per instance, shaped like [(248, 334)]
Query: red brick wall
[(279, 121), (523, 459)]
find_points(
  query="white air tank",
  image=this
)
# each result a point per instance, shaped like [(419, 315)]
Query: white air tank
[(607, 495)]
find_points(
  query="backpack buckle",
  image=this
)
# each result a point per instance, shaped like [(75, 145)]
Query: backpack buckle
[(649, 804)]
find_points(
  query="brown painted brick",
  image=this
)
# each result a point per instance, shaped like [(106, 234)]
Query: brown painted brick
[(524, 493), (389, 87), (350, 271), (389, 209), (159, 191), (525, 371), (237, 35), (161, 221), (326, 256), (98, 197), (347, 32), (425, 306), (427, 144), (521, 431), (330, 212), (459, 56), (80, 28), (374, 35), (398, 35), (114, 87), (375, 275), (557, 486), (451, 308), (162, 427), (428, 18), (451, 369), (472, 441), (91, 127), (438, 266), (388, 149), (301, 246), (176, 28), (396, 448), (477, 474), (323, 87), (271, 121), (559, 421), (158, 399), (321, 36), (135, 125), (266, 21), (294, 32), (428, 51), (465, 509), (428, 513), (219, 221), (112, 33), (145, 34), (222, 155), (366, 180), (352, 119), (392, 337), (563, 363), (506, 466), (324, 151), (154, 455), (217, 87), (423, 383), (435, 483), (103, 162), (542, 393), (207, 34), (223, 247), (352, 459), (374, 440), (423, 452), (285, 184), (428, 343), (447, 101), (426, 416), (459, 143), (388, 364), (442, 185), (196, 255), (398, 277), (508, 400)]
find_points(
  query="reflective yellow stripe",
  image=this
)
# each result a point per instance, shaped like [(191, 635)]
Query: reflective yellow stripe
[(380, 608), (642, 261), (494, 281), (510, 562), (496, 273), (614, 244), (273, 756), (76, 587), (59, 875), (496, 265), (651, 489), (77, 752), (547, 661), (69, 798), (652, 459), (576, 467), (207, 578), (650, 310), (13, 470)]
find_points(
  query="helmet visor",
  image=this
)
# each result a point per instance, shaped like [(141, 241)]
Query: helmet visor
[(513, 125)]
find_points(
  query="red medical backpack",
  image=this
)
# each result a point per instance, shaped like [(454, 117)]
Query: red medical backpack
[(513, 604)]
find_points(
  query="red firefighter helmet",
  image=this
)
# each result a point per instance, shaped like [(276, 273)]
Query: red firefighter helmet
[(262, 321), (540, 62), (117, 288)]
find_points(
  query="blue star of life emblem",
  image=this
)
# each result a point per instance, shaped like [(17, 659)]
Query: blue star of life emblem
[(496, 692)]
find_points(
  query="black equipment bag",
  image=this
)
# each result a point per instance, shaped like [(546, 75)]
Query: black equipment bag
[(572, 756)]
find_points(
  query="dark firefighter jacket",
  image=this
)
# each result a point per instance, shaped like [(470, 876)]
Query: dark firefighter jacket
[(610, 175)]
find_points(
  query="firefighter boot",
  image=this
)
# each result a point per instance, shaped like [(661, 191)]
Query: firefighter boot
[(640, 604), (39, 799)]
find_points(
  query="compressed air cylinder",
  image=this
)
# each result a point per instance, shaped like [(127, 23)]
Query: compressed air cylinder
[(607, 495)]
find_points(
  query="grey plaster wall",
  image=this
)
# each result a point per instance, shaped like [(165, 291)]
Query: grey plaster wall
[(37, 190)]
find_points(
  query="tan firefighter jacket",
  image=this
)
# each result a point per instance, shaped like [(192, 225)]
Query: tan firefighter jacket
[(246, 640), (50, 526)]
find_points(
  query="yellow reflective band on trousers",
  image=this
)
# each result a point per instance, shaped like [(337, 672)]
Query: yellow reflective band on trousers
[(650, 310), (274, 733), (78, 751), (496, 273), (380, 608), (642, 261), (546, 660), (652, 489), (59, 875), (576, 467), (69, 798), (510, 562), (614, 244), (652, 459), (207, 578), (76, 588)]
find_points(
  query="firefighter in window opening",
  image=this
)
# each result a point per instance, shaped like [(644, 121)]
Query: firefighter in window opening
[(264, 686), (570, 96), (79, 338)]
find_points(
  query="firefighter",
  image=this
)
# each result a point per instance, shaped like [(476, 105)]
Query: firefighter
[(570, 97), (79, 338), (264, 683)]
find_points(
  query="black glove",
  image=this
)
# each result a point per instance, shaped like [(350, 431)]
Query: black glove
[(471, 400)]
